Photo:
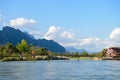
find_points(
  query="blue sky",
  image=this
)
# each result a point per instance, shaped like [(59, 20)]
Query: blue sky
[(80, 18)]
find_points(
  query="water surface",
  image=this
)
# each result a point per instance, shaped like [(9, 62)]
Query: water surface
[(60, 70)]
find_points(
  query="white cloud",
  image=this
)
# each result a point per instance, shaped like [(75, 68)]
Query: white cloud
[(115, 34), (58, 34), (36, 34), (68, 38), (22, 22), (52, 33), (114, 39), (67, 35)]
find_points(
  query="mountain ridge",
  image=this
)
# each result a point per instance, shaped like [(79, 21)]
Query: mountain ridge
[(14, 36)]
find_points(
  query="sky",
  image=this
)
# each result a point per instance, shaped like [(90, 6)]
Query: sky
[(84, 24)]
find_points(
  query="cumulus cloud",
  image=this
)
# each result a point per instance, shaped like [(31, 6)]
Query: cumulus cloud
[(114, 39), (68, 38), (52, 33), (58, 34), (22, 22), (115, 34)]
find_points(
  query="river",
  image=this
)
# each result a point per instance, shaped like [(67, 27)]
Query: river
[(60, 70)]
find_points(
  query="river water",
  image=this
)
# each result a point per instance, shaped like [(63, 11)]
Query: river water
[(60, 70)]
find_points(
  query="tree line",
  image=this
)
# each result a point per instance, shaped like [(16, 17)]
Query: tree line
[(21, 50), (86, 54), (29, 52)]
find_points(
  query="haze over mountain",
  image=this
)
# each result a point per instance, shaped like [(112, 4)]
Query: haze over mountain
[(14, 36)]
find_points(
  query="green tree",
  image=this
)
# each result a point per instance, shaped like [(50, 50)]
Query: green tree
[(5, 53), (76, 54), (44, 51), (99, 54), (1, 51), (104, 51), (39, 51), (7, 50), (9, 46), (85, 54), (22, 47)]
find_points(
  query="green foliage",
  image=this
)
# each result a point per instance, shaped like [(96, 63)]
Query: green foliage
[(14, 54), (39, 51), (99, 54), (8, 46), (92, 55), (76, 54), (5, 52), (1, 51), (22, 47), (23, 51), (104, 51), (84, 54), (44, 51)]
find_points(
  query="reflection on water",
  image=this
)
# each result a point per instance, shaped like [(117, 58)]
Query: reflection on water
[(60, 70)]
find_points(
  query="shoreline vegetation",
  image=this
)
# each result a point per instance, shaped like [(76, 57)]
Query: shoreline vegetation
[(46, 58), (24, 52)]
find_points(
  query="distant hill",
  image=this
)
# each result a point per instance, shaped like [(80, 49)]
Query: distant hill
[(14, 36), (72, 49)]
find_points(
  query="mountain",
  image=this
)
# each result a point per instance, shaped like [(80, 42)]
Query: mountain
[(52, 45), (14, 36), (31, 36), (72, 49)]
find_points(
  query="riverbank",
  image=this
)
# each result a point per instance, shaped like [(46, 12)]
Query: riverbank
[(33, 58), (47, 58)]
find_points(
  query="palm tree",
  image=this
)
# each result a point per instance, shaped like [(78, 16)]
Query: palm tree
[(22, 47)]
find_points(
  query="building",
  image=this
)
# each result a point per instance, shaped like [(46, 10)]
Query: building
[(113, 53)]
